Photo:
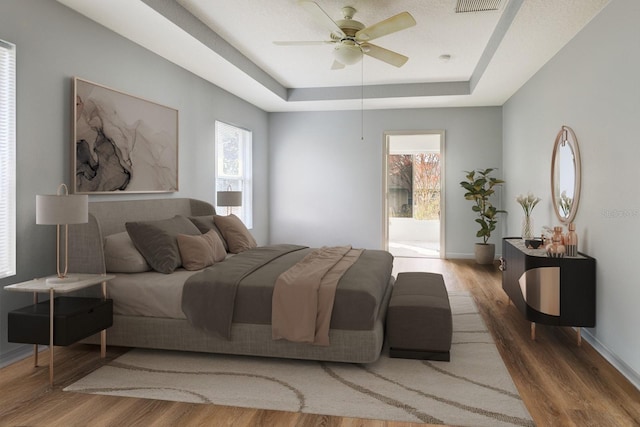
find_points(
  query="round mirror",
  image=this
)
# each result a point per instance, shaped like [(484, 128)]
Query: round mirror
[(565, 175)]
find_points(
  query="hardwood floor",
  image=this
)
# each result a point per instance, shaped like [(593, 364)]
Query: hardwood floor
[(561, 384)]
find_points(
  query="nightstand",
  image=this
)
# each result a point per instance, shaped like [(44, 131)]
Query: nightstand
[(68, 319)]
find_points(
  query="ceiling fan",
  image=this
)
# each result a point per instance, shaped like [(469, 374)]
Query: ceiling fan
[(351, 38)]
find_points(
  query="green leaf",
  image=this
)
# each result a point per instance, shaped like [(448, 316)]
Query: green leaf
[(479, 187)]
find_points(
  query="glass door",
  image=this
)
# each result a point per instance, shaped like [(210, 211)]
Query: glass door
[(414, 194)]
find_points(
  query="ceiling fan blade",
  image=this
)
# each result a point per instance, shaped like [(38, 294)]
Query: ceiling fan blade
[(337, 65), (384, 55), (301, 43), (321, 16), (396, 23)]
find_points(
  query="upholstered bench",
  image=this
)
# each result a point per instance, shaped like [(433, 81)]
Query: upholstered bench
[(419, 324)]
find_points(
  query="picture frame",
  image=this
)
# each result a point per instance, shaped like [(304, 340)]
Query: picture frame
[(122, 143)]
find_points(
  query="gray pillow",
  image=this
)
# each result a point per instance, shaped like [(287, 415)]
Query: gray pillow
[(157, 241), (205, 223)]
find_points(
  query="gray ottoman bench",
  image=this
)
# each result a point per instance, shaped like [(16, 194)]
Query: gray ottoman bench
[(419, 324)]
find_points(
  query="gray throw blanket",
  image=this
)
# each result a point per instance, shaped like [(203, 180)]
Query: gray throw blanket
[(208, 297)]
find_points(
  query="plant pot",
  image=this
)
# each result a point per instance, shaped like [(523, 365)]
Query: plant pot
[(485, 253)]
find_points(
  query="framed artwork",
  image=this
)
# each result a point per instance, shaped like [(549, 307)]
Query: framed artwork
[(122, 143)]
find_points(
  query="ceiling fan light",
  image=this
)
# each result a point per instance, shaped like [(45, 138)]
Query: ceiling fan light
[(347, 54)]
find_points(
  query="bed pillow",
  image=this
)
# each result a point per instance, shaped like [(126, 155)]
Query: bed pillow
[(198, 252), (235, 233), (121, 256), (156, 241), (205, 223)]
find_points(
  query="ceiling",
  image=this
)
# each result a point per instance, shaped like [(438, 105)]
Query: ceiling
[(230, 43)]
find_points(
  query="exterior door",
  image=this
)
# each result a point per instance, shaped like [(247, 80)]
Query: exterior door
[(413, 191)]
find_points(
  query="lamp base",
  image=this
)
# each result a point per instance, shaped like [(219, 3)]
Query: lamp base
[(59, 280)]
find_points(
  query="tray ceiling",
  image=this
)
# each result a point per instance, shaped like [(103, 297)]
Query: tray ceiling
[(455, 59)]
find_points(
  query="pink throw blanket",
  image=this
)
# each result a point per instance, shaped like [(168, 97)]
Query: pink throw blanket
[(303, 295)]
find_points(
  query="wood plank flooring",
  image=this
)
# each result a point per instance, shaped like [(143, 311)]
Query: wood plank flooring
[(561, 384)]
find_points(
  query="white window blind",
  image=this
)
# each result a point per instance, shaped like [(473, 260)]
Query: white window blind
[(234, 168), (7, 159)]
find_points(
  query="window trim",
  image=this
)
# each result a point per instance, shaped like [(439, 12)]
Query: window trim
[(246, 176), (7, 159)]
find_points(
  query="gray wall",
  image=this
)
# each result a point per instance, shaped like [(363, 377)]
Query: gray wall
[(326, 182), (592, 86), (54, 44)]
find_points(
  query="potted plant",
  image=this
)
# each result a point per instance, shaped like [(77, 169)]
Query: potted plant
[(479, 187)]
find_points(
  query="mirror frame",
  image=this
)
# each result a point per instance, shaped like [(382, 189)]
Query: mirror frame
[(566, 136)]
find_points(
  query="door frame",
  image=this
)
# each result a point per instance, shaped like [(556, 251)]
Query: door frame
[(385, 190)]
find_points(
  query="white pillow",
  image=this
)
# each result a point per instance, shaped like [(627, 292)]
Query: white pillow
[(121, 256)]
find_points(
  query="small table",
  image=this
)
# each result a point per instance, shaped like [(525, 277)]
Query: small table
[(51, 285)]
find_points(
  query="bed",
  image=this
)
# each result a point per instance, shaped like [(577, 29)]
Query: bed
[(148, 305)]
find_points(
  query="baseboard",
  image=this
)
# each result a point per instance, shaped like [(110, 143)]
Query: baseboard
[(463, 255), (17, 354), (626, 370)]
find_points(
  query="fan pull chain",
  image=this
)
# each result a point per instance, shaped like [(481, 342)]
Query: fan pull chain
[(362, 100)]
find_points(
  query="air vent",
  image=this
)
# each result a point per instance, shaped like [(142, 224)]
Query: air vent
[(463, 6)]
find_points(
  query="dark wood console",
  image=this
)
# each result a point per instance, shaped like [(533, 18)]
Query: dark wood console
[(553, 291)]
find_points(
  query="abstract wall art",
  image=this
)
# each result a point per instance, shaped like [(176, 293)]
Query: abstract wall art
[(122, 143)]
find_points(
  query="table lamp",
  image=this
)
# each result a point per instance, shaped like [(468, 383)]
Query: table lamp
[(62, 209), (229, 199)]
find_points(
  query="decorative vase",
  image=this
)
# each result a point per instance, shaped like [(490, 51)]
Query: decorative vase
[(556, 249), (571, 241), (527, 227)]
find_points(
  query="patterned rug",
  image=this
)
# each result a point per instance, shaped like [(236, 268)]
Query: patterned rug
[(474, 389)]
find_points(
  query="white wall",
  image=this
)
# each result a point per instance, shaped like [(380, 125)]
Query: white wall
[(326, 183), (54, 44), (591, 86)]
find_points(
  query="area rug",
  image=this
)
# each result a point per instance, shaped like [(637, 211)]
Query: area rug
[(474, 389)]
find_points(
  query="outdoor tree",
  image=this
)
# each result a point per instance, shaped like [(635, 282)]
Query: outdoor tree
[(426, 186), (401, 180), (401, 167), (419, 175)]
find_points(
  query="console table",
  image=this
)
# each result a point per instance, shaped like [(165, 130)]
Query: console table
[(62, 320), (553, 291)]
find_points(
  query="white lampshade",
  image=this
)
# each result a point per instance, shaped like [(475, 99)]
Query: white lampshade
[(229, 198), (62, 209)]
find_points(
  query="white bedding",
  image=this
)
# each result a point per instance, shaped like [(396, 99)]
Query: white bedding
[(149, 294)]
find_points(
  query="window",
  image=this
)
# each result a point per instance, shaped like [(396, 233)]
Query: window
[(7, 159), (233, 168)]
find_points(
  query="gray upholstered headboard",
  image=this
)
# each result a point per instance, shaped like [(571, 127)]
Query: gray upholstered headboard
[(86, 241)]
